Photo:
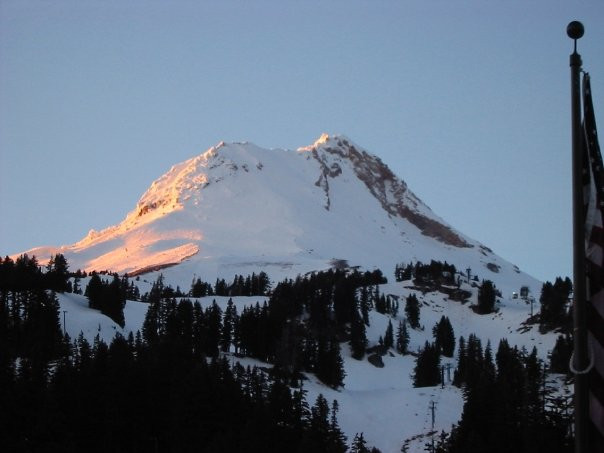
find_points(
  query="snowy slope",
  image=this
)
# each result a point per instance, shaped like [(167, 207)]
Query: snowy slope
[(380, 402), (77, 317), (238, 208)]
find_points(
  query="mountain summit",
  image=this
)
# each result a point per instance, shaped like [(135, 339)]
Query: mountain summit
[(239, 208)]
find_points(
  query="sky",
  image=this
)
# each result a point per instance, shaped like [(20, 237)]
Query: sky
[(466, 101)]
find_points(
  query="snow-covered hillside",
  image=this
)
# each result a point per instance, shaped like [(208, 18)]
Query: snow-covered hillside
[(380, 402), (238, 209)]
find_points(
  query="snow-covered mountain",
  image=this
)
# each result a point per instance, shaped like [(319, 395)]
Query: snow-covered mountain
[(238, 208)]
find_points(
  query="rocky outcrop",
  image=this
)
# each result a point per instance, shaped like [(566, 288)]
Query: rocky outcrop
[(389, 190)]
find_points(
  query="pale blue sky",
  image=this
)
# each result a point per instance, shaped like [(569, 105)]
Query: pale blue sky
[(467, 101)]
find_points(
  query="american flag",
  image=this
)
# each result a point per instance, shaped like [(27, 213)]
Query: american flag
[(593, 195)]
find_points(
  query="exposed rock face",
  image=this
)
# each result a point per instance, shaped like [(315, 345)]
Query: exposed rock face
[(391, 191)]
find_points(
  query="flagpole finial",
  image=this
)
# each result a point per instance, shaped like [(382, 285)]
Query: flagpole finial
[(575, 30)]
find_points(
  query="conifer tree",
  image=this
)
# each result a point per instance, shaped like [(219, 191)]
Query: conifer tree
[(412, 311), (229, 320), (57, 273), (486, 297), (534, 372), (213, 316), (365, 304), (264, 284), (198, 288), (220, 288), (554, 299), (319, 425), (344, 301), (94, 291), (488, 365), (402, 337), (561, 354), (359, 445), (470, 362), (358, 337), (444, 337), (132, 291), (394, 309), (337, 439), (330, 366), (76, 288), (381, 304), (115, 301), (389, 336), (427, 367), (459, 376)]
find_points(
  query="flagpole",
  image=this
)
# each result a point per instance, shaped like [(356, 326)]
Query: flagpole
[(575, 31)]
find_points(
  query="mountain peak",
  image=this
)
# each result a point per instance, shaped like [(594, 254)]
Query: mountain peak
[(238, 207), (324, 138)]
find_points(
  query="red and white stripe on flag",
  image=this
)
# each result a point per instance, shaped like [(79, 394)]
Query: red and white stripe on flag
[(593, 177)]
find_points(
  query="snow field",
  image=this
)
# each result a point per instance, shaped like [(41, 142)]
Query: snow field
[(380, 402)]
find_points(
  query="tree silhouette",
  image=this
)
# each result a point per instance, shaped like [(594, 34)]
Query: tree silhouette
[(412, 311), (486, 297)]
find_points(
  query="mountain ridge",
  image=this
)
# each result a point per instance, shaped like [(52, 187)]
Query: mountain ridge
[(237, 207)]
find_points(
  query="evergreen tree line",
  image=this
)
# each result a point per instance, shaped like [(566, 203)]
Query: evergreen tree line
[(369, 298), (508, 406), (29, 326), (554, 299), (109, 297), (162, 390), (384, 304), (252, 285), (260, 331), (427, 371), (29, 310), (434, 272), (25, 273), (388, 306), (298, 329), (136, 397)]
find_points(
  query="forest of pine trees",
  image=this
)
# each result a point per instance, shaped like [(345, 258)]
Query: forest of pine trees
[(164, 389), (170, 387), (252, 285), (508, 406), (108, 297), (436, 272), (554, 305)]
